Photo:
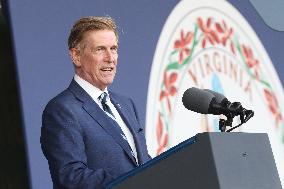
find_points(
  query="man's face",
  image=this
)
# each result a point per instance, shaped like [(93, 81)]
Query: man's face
[(96, 59)]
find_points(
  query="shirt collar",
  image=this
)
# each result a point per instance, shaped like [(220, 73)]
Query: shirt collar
[(92, 90)]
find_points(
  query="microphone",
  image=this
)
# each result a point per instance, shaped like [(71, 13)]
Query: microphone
[(204, 101), (210, 102), (221, 100), (197, 100), (235, 108), (219, 97)]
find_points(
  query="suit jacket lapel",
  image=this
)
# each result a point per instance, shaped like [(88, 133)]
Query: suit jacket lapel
[(100, 116), (130, 122)]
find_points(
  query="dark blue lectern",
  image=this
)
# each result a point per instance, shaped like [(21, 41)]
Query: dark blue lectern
[(208, 161)]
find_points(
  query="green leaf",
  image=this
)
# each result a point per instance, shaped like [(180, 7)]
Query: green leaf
[(173, 66)]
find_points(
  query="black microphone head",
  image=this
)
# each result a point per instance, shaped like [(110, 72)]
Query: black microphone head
[(220, 98), (197, 100)]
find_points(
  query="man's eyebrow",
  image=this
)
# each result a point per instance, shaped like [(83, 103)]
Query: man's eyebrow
[(100, 46), (97, 47)]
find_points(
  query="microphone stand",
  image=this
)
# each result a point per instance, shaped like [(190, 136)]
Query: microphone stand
[(235, 109), (223, 124), (248, 114)]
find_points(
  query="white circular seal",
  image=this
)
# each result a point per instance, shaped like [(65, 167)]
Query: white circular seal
[(209, 44)]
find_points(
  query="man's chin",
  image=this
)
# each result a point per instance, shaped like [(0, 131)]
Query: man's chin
[(108, 82)]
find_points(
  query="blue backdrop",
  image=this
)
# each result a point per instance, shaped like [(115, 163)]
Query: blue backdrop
[(40, 30)]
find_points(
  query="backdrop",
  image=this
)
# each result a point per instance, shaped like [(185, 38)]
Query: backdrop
[(40, 30)]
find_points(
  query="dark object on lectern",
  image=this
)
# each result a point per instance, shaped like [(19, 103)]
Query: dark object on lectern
[(208, 161)]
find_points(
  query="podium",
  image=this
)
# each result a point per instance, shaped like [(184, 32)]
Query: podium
[(208, 161)]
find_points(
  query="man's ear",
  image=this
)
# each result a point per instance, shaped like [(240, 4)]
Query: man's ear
[(75, 56)]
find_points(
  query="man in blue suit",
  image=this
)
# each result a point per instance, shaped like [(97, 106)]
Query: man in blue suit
[(91, 135)]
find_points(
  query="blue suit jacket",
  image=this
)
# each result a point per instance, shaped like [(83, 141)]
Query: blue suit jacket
[(83, 148)]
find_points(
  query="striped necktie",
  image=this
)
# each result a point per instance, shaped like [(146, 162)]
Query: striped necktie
[(106, 108)]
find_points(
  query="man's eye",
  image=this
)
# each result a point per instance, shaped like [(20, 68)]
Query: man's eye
[(114, 49), (99, 49)]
